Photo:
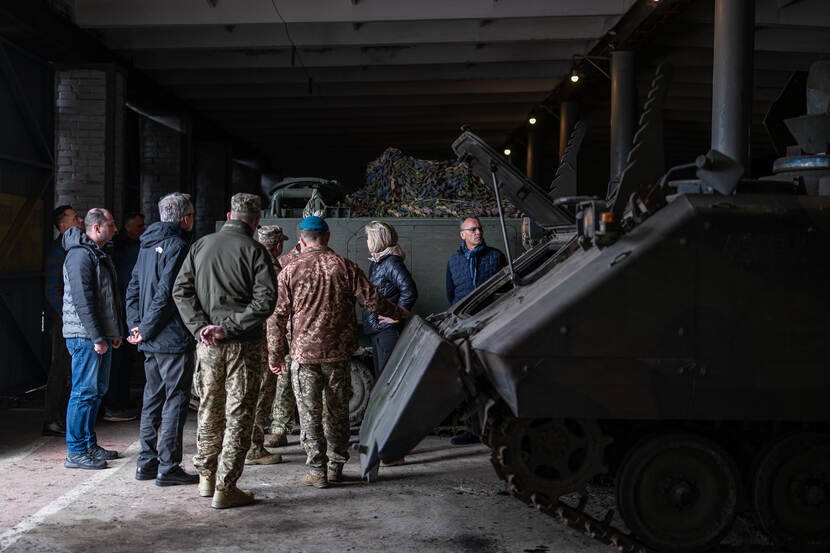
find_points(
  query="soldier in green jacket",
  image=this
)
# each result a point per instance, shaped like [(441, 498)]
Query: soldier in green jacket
[(224, 292)]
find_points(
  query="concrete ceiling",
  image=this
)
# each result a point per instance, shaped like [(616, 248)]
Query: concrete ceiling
[(308, 82), (324, 86)]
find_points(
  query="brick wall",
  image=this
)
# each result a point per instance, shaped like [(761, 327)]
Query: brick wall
[(160, 166), (80, 138)]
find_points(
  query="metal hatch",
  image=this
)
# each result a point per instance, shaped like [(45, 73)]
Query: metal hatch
[(531, 199), (418, 388)]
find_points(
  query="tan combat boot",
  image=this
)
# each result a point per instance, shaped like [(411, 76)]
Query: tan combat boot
[(316, 481), (335, 473), (231, 497), (207, 485), (275, 440), (263, 458)]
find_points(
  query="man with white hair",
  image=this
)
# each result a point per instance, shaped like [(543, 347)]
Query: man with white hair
[(158, 330)]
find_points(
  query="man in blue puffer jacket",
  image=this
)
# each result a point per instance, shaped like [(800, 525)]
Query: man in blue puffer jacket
[(168, 346), (473, 263)]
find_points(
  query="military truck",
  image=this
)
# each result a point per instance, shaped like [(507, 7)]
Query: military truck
[(427, 242), (676, 346)]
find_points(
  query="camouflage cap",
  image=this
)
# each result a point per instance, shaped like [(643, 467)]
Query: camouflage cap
[(270, 235), (246, 203)]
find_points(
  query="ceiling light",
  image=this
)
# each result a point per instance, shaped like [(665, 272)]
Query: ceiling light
[(532, 120), (507, 151)]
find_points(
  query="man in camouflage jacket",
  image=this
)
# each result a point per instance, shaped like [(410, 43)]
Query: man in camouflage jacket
[(224, 292), (282, 414), (272, 238), (317, 292)]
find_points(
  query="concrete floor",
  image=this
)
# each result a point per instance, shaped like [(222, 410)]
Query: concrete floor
[(445, 499)]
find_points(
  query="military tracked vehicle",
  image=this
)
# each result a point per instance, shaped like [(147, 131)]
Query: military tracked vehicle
[(677, 347)]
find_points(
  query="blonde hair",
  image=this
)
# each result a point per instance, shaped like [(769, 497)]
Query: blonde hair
[(381, 236)]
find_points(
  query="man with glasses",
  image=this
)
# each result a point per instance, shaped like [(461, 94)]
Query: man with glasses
[(471, 265), (93, 322), (157, 329)]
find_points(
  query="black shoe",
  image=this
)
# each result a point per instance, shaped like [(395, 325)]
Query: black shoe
[(145, 474), (119, 415), (83, 461), (465, 438), (98, 452), (176, 477), (53, 429)]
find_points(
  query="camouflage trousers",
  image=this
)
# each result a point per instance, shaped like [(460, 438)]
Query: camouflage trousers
[(323, 400), (262, 412), (282, 416), (227, 380)]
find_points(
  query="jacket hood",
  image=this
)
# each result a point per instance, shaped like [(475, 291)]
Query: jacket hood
[(75, 236), (158, 232)]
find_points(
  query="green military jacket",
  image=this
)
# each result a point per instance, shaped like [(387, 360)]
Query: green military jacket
[(227, 279)]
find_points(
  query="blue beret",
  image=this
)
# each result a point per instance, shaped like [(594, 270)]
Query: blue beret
[(314, 223)]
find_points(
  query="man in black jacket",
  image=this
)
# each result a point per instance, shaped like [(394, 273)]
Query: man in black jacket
[(157, 329)]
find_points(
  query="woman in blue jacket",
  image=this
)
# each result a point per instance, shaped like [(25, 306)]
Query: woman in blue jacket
[(391, 276)]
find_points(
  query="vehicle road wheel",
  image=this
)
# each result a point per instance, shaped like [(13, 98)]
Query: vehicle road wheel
[(543, 459), (362, 382), (678, 493), (791, 492)]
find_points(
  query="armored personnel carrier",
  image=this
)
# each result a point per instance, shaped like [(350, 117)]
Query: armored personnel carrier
[(677, 347)]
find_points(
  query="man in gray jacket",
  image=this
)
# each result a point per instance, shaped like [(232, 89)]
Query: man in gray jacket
[(92, 323), (159, 332)]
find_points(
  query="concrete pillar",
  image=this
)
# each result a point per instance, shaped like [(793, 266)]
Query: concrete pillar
[(212, 172), (89, 139), (732, 78), (532, 162), (160, 165), (623, 110), (568, 116)]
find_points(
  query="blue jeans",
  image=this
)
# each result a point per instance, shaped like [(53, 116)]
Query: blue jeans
[(90, 380)]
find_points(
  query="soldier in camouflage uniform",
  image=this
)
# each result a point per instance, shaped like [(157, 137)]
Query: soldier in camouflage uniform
[(282, 416), (225, 307), (272, 238), (317, 292)]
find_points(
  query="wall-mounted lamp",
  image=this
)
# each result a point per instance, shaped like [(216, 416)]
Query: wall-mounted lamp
[(532, 120), (507, 151), (575, 76)]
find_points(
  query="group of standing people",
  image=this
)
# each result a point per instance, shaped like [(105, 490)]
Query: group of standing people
[(264, 326)]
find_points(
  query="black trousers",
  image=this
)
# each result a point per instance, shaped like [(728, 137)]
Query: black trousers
[(60, 369), (382, 345), (166, 397)]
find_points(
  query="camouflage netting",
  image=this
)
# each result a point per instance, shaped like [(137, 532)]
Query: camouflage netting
[(398, 185)]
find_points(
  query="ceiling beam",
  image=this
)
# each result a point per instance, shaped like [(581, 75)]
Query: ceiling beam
[(375, 73), (141, 13), (449, 101), (273, 35), (414, 54), (482, 86)]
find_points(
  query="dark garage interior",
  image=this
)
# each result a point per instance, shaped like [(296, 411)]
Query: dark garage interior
[(649, 369)]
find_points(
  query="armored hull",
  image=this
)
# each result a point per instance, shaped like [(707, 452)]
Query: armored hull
[(687, 361)]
